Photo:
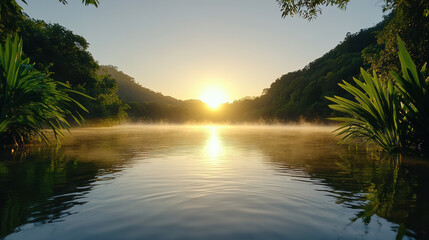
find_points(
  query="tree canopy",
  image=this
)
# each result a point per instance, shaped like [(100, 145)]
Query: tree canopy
[(310, 9), (408, 19), (64, 56), (86, 2), (11, 15)]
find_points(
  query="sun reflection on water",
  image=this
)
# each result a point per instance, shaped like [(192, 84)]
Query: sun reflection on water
[(214, 144)]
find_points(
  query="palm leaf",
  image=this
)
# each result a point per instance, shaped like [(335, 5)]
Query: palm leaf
[(29, 101)]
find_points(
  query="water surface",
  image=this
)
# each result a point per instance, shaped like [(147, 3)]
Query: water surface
[(211, 182)]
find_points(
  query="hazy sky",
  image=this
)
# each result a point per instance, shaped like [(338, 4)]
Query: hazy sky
[(178, 47)]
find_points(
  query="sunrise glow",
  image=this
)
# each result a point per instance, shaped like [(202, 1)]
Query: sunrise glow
[(214, 97)]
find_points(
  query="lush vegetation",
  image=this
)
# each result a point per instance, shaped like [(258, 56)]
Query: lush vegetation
[(29, 100), (147, 105), (408, 18), (63, 56), (131, 91), (60, 54), (410, 21), (301, 94), (11, 15), (395, 115)]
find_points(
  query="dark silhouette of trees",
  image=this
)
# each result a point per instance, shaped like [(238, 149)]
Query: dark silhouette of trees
[(64, 56), (11, 15)]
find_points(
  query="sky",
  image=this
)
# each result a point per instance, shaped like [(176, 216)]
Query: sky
[(182, 47)]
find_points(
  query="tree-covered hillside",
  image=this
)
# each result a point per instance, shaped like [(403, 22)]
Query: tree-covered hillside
[(131, 91), (64, 57), (301, 94), (294, 96), (147, 105)]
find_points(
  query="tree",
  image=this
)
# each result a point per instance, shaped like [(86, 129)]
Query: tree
[(64, 56), (11, 15), (59, 52), (408, 19), (309, 9), (86, 2)]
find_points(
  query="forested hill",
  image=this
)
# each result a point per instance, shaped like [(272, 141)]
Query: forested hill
[(295, 95), (131, 91), (147, 105), (301, 94), (63, 55)]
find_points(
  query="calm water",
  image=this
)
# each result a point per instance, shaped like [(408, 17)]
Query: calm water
[(178, 182)]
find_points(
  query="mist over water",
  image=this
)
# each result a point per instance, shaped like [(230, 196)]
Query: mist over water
[(211, 182)]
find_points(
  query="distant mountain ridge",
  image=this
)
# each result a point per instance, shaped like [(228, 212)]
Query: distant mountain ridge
[(131, 91)]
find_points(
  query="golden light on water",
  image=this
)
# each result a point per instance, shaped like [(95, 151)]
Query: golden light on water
[(214, 145), (214, 96)]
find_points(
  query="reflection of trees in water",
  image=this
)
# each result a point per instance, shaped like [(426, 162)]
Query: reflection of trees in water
[(41, 186), (394, 189), (373, 183)]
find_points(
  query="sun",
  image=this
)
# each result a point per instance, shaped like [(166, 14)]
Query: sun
[(214, 97)]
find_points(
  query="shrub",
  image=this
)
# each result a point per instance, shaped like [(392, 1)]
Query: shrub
[(29, 101), (394, 115)]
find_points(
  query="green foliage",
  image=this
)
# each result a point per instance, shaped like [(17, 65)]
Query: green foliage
[(374, 115), (144, 104), (294, 96), (59, 52), (393, 115), (86, 2), (107, 104), (300, 94), (308, 9), (131, 91), (408, 20), (64, 56), (11, 15), (413, 86), (29, 101)]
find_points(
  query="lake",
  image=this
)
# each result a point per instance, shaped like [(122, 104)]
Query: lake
[(211, 182)]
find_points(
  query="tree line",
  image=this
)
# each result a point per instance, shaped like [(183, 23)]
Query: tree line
[(107, 93)]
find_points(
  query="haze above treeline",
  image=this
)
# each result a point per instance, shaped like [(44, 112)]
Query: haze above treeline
[(64, 56)]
